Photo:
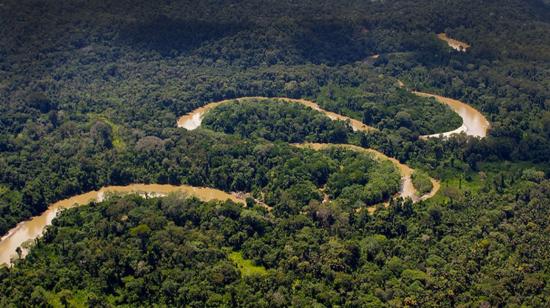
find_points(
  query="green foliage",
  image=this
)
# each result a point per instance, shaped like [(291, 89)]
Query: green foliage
[(92, 254), (382, 104), (117, 140), (89, 100), (246, 267), (363, 179), (421, 182), (276, 120)]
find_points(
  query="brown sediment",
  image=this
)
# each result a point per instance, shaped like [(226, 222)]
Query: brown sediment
[(407, 189), (193, 119), (400, 83), (455, 44), (31, 229), (473, 122), (436, 185)]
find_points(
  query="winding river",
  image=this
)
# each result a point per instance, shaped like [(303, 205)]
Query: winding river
[(31, 229), (473, 124), (193, 119), (407, 189)]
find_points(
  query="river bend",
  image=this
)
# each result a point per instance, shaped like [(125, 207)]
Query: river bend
[(474, 124)]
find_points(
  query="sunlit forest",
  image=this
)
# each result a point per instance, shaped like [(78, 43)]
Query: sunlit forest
[(91, 93)]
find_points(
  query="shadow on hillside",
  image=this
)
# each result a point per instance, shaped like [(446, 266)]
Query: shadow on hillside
[(332, 41), (169, 36)]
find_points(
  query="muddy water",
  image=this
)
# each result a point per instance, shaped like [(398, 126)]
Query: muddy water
[(455, 44), (193, 120), (473, 122), (30, 229), (407, 189)]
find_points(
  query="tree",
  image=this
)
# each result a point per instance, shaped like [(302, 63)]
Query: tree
[(102, 135), (142, 231), (65, 296), (39, 297)]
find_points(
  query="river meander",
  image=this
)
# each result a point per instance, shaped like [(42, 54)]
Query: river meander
[(30, 229), (193, 119), (474, 124)]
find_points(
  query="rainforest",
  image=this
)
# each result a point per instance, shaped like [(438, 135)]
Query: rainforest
[(274, 153)]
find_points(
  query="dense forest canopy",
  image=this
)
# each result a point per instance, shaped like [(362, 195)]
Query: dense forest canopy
[(90, 92), (274, 121), (177, 252), (374, 103)]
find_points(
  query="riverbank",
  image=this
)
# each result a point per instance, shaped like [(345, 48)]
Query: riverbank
[(31, 229), (473, 122), (407, 189), (193, 120)]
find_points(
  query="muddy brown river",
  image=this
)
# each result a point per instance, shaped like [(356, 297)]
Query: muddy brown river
[(193, 120), (31, 229), (474, 123), (406, 190)]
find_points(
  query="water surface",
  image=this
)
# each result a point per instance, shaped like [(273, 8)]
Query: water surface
[(31, 229), (406, 190), (473, 122), (193, 120)]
